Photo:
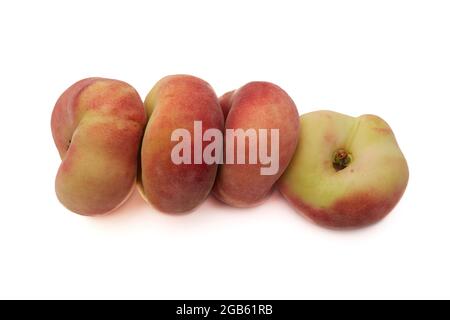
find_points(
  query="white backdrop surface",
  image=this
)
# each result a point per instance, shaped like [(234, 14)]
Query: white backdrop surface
[(390, 58)]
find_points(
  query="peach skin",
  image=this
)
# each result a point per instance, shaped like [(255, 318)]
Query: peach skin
[(175, 103), (255, 107), (225, 102), (97, 125), (347, 172)]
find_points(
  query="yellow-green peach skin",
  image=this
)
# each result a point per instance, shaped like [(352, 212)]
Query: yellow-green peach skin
[(97, 125), (347, 172)]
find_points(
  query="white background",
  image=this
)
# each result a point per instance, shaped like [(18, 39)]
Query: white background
[(390, 58)]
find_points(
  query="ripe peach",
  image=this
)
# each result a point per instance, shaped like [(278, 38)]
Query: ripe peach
[(174, 103), (255, 107), (97, 125), (347, 172)]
